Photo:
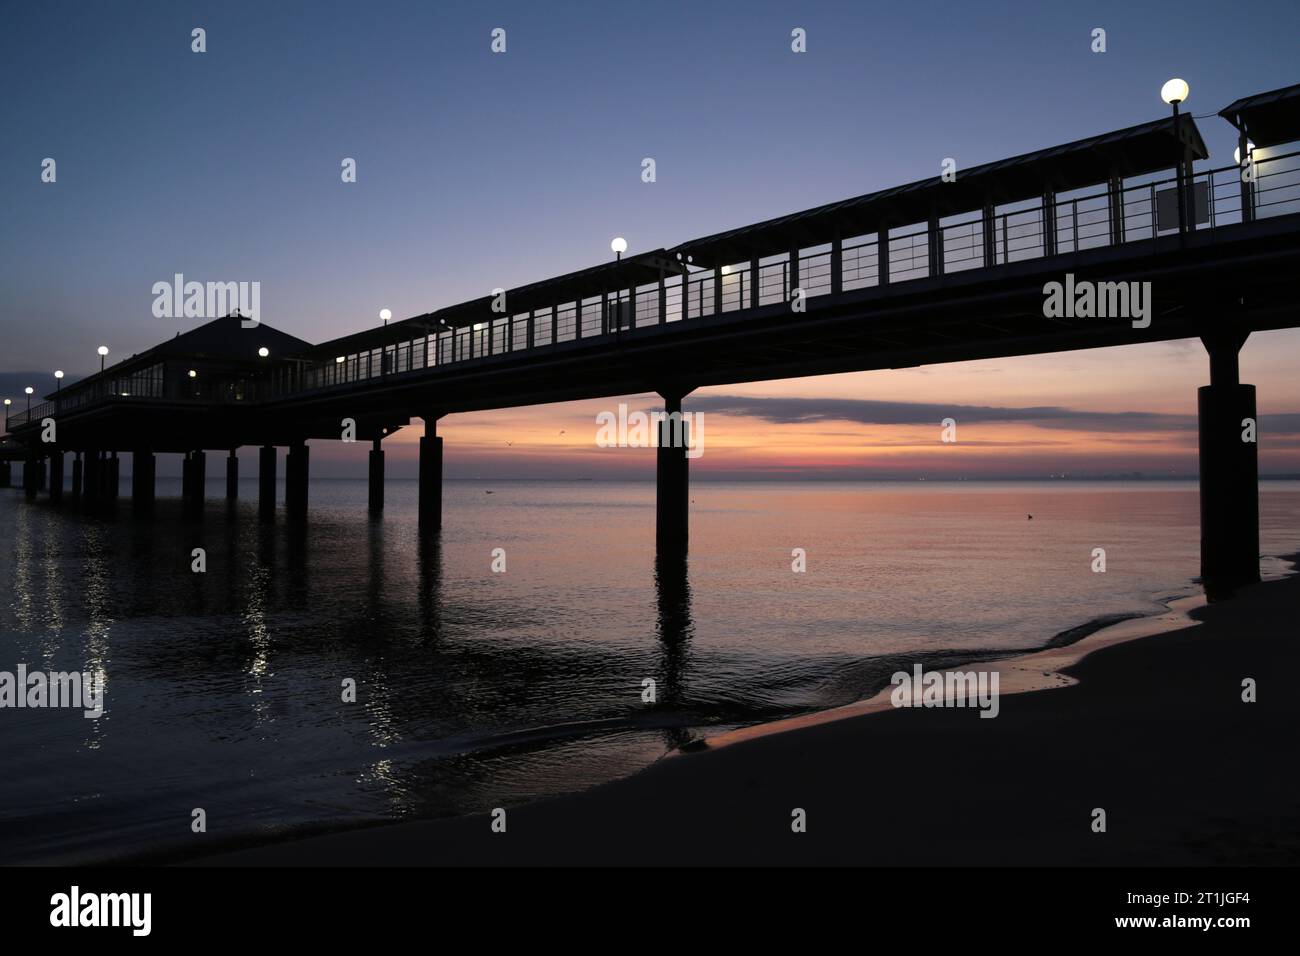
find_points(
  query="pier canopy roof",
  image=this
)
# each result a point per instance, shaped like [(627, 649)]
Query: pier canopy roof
[(222, 342), (1137, 150), (1267, 118), (640, 269)]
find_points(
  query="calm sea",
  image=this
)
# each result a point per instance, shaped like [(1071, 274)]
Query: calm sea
[(478, 689)]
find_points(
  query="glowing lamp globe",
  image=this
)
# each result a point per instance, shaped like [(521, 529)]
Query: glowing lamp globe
[(1174, 91)]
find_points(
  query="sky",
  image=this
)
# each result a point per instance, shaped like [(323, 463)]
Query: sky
[(478, 169)]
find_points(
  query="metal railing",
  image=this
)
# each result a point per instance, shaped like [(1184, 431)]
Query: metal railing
[(1095, 219)]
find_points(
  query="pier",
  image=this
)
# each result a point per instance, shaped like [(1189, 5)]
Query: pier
[(929, 272)]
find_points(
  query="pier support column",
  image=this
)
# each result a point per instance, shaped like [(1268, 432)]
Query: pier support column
[(30, 481), (41, 483), (76, 476), (376, 478), (295, 481), (6, 474), (198, 476), (56, 477), (143, 470), (1229, 463), (94, 481), (430, 475), (113, 474), (672, 490), (232, 475), (266, 483)]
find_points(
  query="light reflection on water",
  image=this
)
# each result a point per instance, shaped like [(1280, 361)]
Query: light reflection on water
[(477, 689)]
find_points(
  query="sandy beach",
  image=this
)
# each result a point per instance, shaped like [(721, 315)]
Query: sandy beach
[(1151, 727)]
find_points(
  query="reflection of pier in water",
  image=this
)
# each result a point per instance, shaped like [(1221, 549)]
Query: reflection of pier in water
[(676, 629), (263, 610)]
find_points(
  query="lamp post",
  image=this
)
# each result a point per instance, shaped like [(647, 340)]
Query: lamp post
[(1175, 92), (103, 351), (1244, 157), (451, 346), (384, 315), (29, 391), (58, 389), (618, 246)]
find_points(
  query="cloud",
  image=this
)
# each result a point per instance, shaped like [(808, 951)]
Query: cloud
[(784, 411), (13, 383)]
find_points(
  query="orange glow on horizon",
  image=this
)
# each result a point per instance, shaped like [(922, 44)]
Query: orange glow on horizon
[(1111, 411)]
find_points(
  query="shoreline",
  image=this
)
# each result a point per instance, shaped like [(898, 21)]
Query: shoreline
[(1037, 670), (599, 820), (1042, 669)]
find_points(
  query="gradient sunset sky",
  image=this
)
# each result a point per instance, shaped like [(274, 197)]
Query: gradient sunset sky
[(478, 170)]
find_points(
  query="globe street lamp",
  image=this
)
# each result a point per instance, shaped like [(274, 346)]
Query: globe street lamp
[(103, 351), (619, 246), (1174, 92)]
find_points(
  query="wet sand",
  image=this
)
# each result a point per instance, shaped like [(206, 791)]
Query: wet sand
[(1151, 727)]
